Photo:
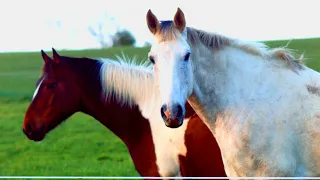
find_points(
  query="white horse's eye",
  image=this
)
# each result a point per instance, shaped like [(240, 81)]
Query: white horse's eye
[(187, 56), (151, 58)]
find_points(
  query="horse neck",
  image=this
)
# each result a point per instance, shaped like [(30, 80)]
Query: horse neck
[(126, 122), (228, 66)]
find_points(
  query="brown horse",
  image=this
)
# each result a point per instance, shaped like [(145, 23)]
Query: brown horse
[(69, 85)]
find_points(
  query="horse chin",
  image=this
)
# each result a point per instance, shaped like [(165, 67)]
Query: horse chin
[(39, 138)]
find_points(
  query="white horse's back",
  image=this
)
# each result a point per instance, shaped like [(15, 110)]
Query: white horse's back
[(270, 111)]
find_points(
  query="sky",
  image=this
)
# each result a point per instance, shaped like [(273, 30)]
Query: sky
[(63, 24)]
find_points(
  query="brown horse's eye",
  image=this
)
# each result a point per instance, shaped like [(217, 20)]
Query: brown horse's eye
[(52, 85)]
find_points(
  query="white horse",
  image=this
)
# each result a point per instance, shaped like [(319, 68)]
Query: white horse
[(262, 105)]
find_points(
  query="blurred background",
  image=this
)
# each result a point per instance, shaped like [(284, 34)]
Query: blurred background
[(105, 28), (41, 24)]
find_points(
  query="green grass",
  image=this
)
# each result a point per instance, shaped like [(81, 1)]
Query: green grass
[(80, 146)]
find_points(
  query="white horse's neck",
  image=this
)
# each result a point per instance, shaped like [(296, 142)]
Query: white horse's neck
[(256, 105), (235, 77)]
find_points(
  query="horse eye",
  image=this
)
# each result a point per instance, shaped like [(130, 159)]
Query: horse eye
[(53, 85), (187, 56), (151, 58)]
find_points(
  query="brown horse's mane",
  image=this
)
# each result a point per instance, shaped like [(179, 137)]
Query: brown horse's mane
[(86, 68), (129, 78)]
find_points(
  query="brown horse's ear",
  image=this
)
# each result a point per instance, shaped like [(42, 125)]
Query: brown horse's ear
[(179, 20), (153, 23), (45, 57), (56, 56)]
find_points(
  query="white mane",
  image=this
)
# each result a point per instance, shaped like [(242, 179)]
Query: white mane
[(212, 41), (216, 41), (128, 81)]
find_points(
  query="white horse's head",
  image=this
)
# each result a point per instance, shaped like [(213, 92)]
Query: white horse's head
[(170, 56)]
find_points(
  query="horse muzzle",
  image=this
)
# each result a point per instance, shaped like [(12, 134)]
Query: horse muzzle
[(173, 116)]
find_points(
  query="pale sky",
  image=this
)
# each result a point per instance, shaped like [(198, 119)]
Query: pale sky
[(32, 25)]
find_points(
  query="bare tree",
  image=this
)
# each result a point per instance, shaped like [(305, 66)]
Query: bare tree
[(100, 33)]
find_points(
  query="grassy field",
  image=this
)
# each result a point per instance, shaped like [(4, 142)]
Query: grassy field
[(80, 146)]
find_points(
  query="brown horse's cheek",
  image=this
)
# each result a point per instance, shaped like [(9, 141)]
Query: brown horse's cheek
[(51, 100)]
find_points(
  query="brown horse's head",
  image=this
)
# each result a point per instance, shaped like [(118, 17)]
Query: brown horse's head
[(57, 96)]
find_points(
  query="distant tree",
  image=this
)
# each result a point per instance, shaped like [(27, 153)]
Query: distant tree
[(123, 38), (147, 44)]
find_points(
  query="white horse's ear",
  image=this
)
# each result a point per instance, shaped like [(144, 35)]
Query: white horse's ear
[(179, 20), (153, 23)]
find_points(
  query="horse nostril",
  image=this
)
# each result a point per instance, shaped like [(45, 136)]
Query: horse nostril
[(179, 110), (163, 110), (28, 128)]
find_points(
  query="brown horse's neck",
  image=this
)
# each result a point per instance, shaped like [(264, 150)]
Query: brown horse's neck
[(125, 122)]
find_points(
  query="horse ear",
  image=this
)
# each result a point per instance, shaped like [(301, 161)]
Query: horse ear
[(153, 23), (45, 57), (179, 20), (56, 56)]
